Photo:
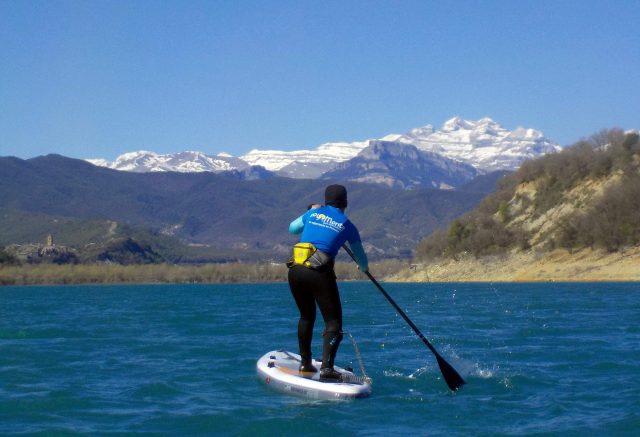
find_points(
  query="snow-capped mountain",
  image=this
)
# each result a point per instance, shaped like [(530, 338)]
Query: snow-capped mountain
[(305, 163), (404, 166), (482, 144), (184, 162)]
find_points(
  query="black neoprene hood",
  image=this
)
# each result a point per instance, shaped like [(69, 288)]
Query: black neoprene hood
[(336, 195)]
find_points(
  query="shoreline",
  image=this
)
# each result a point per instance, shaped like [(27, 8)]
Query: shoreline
[(559, 265), (556, 266)]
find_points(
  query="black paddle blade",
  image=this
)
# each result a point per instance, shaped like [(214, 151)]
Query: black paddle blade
[(451, 377)]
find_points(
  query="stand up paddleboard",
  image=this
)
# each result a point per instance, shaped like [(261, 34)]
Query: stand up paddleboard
[(279, 369)]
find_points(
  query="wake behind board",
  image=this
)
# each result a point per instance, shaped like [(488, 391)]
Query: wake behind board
[(279, 369)]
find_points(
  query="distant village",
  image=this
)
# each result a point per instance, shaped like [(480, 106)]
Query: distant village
[(47, 252)]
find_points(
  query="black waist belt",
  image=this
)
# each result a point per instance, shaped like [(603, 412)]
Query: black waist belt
[(320, 260)]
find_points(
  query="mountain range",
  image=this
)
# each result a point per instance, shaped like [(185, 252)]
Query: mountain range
[(401, 188), (220, 211), (423, 157)]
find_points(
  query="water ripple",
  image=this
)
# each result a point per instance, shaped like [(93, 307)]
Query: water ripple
[(180, 360)]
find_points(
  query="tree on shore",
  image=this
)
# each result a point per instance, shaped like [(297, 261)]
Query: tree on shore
[(6, 259)]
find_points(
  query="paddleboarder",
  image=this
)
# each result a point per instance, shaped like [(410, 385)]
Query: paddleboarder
[(312, 278)]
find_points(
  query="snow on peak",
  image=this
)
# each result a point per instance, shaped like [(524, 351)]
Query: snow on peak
[(421, 131), (98, 162), (484, 144), (456, 123), (134, 155), (327, 154), (185, 162)]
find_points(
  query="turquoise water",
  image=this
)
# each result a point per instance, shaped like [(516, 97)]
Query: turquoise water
[(539, 359)]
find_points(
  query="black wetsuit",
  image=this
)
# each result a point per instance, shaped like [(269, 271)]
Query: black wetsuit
[(309, 287), (327, 228)]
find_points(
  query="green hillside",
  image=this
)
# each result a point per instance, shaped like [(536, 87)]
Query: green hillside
[(585, 196), (107, 240), (19, 227)]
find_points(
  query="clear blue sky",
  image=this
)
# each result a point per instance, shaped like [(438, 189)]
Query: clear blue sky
[(94, 79)]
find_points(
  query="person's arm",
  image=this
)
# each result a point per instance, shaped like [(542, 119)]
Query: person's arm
[(361, 257), (296, 226)]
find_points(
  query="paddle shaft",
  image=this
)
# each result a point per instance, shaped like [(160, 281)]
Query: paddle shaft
[(453, 379), (395, 305)]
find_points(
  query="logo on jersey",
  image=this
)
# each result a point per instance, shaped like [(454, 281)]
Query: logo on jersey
[(326, 222)]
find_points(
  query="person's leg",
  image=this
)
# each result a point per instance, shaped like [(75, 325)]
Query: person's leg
[(328, 299), (304, 297)]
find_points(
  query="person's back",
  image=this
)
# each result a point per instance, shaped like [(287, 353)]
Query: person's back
[(311, 276), (327, 228)]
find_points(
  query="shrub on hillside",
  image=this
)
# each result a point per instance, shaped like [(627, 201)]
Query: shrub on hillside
[(6, 259), (123, 251), (611, 223)]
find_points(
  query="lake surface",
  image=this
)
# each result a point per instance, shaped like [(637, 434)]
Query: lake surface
[(539, 359)]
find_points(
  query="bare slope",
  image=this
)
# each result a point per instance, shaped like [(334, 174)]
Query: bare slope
[(567, 216)]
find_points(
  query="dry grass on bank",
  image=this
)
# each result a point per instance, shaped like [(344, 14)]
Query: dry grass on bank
[(163, 273)]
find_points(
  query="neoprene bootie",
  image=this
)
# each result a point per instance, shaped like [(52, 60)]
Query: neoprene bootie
[(329, 373), (330, 344), (306, 366)]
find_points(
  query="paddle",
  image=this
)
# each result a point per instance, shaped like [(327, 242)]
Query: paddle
[(453, 379)]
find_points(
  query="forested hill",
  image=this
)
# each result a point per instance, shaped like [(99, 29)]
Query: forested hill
[(218, 210), (583, 197)]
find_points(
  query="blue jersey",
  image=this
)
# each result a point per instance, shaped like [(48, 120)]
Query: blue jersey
[(327, 228)]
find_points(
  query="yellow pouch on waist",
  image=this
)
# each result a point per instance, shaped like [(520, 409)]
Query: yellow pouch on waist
[(302, 252)]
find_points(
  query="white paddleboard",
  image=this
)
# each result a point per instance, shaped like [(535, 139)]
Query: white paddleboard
[(279, 370)]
